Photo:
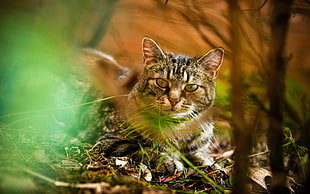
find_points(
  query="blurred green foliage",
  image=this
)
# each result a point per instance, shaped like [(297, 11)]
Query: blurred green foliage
[(34, 87), (30, 62), (34, 73)]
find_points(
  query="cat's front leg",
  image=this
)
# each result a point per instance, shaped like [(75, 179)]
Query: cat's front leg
[(169, 163), (203, 159)]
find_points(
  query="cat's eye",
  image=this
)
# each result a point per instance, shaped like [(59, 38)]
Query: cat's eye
[(191, 87), (162, 83)]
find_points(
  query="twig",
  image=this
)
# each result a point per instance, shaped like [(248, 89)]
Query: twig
[(106, 15), (280, 14), (242, 136), (98, 187)]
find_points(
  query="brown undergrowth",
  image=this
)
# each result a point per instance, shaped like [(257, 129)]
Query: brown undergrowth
[(77, 167)]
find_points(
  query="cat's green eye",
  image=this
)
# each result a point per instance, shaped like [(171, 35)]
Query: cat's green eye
[(162, 83), (191, 87)]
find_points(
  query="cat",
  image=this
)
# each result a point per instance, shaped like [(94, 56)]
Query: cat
[(165, 113)]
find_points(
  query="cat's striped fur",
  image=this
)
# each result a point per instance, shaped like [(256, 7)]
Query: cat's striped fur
[(176, 87)]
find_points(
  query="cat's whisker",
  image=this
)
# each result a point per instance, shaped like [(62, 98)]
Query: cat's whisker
[(194, 115)]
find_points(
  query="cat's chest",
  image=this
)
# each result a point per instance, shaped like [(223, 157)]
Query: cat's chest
[(196, 138)]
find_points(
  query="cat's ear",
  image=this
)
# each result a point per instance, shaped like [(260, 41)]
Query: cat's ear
[(152, 53), (212, 61)]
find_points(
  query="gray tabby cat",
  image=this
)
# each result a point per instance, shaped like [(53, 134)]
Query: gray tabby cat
[(169, 104)]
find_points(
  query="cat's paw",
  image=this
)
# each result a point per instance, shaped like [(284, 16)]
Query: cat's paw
[(169, 165)]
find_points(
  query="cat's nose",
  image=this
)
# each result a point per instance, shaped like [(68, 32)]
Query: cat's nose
[(173, 102), (174, 96)]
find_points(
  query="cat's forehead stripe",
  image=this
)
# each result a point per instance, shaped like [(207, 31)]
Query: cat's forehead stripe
[(178, 69), (185, 76)]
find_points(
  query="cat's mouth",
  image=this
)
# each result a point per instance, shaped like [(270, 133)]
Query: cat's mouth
[(175, 111)]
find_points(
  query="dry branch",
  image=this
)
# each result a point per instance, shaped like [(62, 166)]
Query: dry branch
[(242, 137), (280, 11)]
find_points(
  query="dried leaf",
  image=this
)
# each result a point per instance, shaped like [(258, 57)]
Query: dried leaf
[(171, 178), (120, 161), (258, 175), (147, 175), (225, 155), (95, 166)]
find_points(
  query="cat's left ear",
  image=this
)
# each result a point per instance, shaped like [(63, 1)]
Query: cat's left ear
[(152, 53), (212, 61)]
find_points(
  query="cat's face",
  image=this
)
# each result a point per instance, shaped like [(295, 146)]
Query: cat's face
[(176, 84)]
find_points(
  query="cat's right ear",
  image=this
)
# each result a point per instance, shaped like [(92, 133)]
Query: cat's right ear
[(152, 53), (212, 61)]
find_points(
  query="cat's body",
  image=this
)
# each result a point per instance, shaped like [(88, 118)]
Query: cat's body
[(169, 104)]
